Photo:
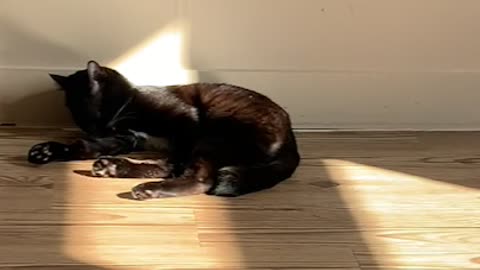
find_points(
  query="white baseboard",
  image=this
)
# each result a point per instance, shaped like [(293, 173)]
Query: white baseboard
[(317, 101)]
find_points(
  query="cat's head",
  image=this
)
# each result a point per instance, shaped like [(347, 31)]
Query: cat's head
[(93, 96)]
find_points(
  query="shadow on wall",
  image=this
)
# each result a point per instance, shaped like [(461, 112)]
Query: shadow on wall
[(21, 47), (63, 34), (34, 44), (28, 95), (31, 110)]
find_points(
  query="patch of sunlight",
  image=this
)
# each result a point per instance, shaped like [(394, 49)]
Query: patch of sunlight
[(407, 220), (104, 230), (159, 60)]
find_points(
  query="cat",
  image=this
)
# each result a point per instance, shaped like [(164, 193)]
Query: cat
[(215, 138)]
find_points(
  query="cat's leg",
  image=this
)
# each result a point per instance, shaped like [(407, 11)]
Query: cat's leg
[(84, 148), (213, 175), (197, 179), (237, 180), (119, 167), (209, 154), (228, 181)]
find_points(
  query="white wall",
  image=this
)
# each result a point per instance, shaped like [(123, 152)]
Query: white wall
[(332, 63)]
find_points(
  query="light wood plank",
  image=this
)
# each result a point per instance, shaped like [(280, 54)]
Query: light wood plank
[(382, 200)]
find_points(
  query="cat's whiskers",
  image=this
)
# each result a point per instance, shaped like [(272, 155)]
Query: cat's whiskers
[(116, 118), (125, 117)]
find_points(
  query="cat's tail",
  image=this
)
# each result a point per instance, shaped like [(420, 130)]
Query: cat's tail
[(240, 180)]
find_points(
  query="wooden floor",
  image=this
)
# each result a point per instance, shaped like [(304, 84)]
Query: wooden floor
[(358, 201)]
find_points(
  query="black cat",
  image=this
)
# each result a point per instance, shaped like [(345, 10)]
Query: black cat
[(220, 139)]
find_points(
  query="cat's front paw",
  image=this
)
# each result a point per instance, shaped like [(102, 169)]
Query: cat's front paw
[(109, 167), (46, 152), (151, 190)]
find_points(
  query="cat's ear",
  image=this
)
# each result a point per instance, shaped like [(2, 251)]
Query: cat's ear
[(95, 74), (60, 80)]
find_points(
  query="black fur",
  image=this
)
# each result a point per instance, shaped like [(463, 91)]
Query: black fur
[(221, 139)]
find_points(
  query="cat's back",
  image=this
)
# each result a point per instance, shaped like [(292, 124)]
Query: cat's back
[(231, 111), (220, 100)]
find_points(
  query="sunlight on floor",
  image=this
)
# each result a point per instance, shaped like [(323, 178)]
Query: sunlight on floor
[(105, 230), (388, 203), (159, 60)]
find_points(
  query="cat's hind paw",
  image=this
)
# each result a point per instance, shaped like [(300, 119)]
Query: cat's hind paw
[(46, 152), (151, 190)]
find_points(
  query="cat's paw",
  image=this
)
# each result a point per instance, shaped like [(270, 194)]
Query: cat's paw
[(109, 167), (228, 182), (47, 152), (126, 168), (151, 190)]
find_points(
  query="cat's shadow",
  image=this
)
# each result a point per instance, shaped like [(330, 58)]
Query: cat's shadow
[(123, 195), (20, 161), (126, 196), (84, 173)]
